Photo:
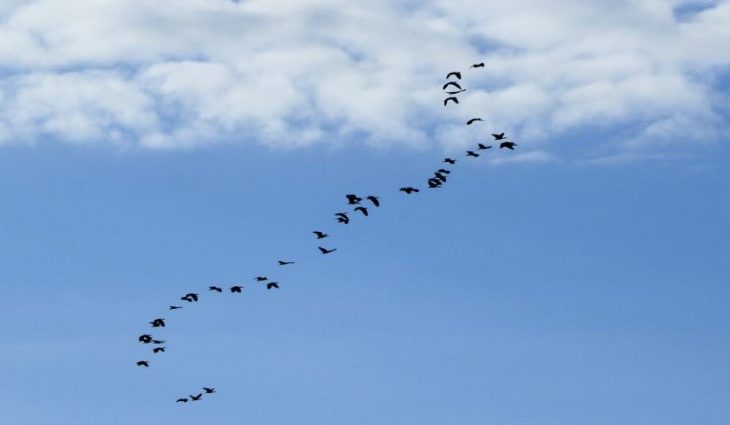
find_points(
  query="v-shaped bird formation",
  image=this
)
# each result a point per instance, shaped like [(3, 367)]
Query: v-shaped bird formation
[(360, 206)]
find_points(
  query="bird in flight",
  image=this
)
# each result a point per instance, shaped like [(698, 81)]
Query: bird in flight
[(374, 199), (158, 323), (158, 341), (449, 161), (498, 136), (190, 297), (353, 199), (408, 190), (434, 183), (451, 98), (144, 363), (362, 210), (473, 120), (472, 153), (272, 285), (320, 235), (181, 400), (196, 397), (209, 390), (174, 307), (483, 146), (444, 171), (451, 83), (237, 289), (261, 278), (145, 339), (158, 350), (451, 93), (285, 263), (326, 251), (215, 288), (478, 65), (342, 218), (440, 177), (456, 74), (508, 145)]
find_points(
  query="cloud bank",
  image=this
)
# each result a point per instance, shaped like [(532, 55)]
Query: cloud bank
[(625, 75)]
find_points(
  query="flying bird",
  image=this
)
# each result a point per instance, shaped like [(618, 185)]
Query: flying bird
[(320, 235), (434, 183), (209, 390), (146, 338), (362, 210), (190, 297), (261, 278), (449, 161), (451, 98), (144, 363), (285, 263), (451, 83), (353, 199), (483, 146), (342, 218), (158, 323), (272, 285), (237, 289), (444, 171), (499, 136), (455, 92), (472, 153), (473, 120), (158, 341), (196, 397), (174, 307), (215, 288), (478, 65), (326, 251), (440, 177), (508, 145), (408, 190), (374, 199), (456, 74), (181, 400), (158, 350)]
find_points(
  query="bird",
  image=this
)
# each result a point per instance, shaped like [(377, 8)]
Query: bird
[(498, 136), (146, 338), (374, 199), (320, 235), (190, 297), (326, 251), (261, 278), (440, 177), (362, 210), (472, 153), (272, 285), (508, 145), (209, 390), (174, 307), (451, 83), (158, 350), (342, 218), (473, 120), (478, 65), (353, 199), (181, 400), (237, 289), (455, 92), (158, 341), (451, 98), (196, 397), (215, 288), (449, 161), (285, 263), (408, 190), (444, 171), (144, 363), (158, 323), (483, 146), (456, 74), (434, 183)]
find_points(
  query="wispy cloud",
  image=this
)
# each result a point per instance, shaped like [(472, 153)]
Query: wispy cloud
[(288, 73)]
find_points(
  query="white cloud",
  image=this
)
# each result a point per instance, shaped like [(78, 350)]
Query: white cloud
[(289, 73)]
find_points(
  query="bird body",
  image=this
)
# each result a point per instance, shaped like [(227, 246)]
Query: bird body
[(320, 235), (362, 210), (451, 98), (440, 177), (190, 297), (353, 199), (285, 263), (473, 120), (449, 161), (434, 183), (158, 350), (374, 199), (508, 145), (236, 289), (483, 146), (456, 74), (144, 363), (444, 171), (181, 400), (451, 83), (146, 338), (408, 190), (261, 278), (498, 136), (174, 307), (271, 285), (196, 397), (478, 65), (342, 218), (472, 153), (215, 288), (158, 323), (209, 390), (326, 251)]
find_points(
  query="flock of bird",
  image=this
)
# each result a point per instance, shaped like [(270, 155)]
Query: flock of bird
[(452, 87)]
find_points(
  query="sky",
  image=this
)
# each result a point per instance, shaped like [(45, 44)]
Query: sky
[(150, 149)]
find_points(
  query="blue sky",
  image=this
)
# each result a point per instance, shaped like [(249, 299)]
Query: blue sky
[(579, 279)]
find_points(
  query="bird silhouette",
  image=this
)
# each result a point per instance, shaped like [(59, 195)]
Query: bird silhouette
[(483, 146), (326, 251), (261, 278), (408, 190), (434, 183), (374, 199), (145, 339), (472, 153), (158, 350), (158, 323), (158, 341), (451, 98), (175, 307), (320, 235), (236, 289), (181, 400), (456, 74), (473, 120), (215, 288), (285, 263), (444, 171), (440, 177), (209, 390), (362, 210), (342, 218), (478, 65), (353, 199), (144, 363), (190, 297), (196, 397), (508, 145), (272, 285), (498, 136), (451, 83), (449, 161), (455, 92)]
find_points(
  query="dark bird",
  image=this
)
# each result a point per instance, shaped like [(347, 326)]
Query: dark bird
[(451, 83), (209, 390), (472, 153), (499, 136), (144, 363), (158, 341), (181, 400), (451, 98), (362, 210), (146, 339), (272, 285), (408, 190), (174, 307), (478, 65), (374, 199), (342, 218), (196, 397), (471, 121), (440, 177), (450, 161), (455, 92), (444, 171), (285, 263), (326, 251), (434, 183), (483, 146), (320, 235), (353, 199), (261, 278), (508, 145), (190, 297), (158, 350), (215, 288), (158, 323), (237, 289), (456, 74)]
